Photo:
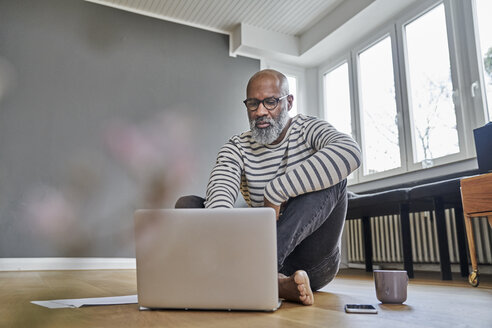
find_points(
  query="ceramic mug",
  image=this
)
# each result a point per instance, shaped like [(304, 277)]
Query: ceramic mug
[(391, 285)]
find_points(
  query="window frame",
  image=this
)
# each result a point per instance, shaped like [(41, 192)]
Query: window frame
[(299, 73), (469, 10), (324, 73), (354, 125), (462, 38), (408, 18), (381, 34)]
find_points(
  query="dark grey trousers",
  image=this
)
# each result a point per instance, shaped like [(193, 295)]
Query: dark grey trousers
[(308, 232)]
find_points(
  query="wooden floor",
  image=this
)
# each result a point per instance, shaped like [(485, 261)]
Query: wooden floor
[(431, 303)]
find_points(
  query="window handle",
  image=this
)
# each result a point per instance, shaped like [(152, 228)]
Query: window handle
[(474, 87)]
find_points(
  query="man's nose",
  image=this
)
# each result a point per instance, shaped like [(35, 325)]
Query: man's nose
[(261, 111)]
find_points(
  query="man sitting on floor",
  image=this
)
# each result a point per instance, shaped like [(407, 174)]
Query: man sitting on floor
[(297, 166)]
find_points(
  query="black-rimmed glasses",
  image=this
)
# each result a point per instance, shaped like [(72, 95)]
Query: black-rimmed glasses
[(269, 103)]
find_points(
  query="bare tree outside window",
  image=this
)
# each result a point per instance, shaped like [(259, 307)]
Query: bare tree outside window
[(433, 115), (487, 63), (432, 118)]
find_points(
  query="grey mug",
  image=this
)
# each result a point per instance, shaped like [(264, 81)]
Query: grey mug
[(391, 285)]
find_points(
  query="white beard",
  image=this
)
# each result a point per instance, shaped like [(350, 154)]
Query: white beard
[(268, 135)]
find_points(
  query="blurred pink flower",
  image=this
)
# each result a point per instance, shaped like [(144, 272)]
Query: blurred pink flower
[(158, 152), (50, 213), (163, 143)]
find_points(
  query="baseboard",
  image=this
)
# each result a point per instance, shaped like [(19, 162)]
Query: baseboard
[(455, 268), (65, 263), (363, 266)]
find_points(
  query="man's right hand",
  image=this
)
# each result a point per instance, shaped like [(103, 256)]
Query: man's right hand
[(267, 203)]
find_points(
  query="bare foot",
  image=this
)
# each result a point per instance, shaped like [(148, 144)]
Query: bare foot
[(295, 288)]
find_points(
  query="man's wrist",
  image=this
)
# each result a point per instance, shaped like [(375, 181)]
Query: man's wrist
[(268, 193)]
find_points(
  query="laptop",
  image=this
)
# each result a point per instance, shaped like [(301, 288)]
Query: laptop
[(207, 259), (483, 145)]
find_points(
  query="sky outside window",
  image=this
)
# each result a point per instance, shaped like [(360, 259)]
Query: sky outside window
[(293, 91), (378, 105), (433, 116), (337, 99)]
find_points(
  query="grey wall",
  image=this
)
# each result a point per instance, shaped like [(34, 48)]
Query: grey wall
[(73, 73)]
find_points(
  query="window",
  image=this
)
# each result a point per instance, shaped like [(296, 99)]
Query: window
[(337, 101), (293, 91), (433, 117), (337, 98), (380, 141), (296, 79), (484, 23), (412, 92)]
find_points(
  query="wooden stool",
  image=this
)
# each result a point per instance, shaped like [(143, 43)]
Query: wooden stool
[(476, 195)]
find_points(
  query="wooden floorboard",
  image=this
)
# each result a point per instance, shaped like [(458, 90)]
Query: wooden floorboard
[(431, 303)]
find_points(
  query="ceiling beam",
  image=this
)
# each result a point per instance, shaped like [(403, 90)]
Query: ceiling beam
[(247, 39), (344, 12)]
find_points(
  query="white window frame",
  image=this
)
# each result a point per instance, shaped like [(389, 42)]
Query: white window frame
[(338, 63), (381, 34), (345, 59), (406, 19), (467, 9), (464, 60), (299, 73)]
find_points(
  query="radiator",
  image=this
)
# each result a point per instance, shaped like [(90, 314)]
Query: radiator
[(387, 244)]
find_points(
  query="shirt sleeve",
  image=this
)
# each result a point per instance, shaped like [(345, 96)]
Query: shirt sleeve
[(337, 155), (225, 179)]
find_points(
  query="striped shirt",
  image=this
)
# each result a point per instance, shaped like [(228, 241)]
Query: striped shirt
[(312, 156)]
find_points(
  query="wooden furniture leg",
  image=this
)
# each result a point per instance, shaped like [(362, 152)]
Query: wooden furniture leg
[(473, 277), (461, 234), (442, 238), (476, 197), (406, 239), (366, 224)]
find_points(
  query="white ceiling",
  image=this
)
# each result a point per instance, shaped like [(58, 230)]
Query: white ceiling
[(303, 33), (291, 17)]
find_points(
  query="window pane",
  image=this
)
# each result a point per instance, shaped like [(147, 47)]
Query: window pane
[(380, 145), (484, 8), (337, 99), (433, 117), (293, 91)]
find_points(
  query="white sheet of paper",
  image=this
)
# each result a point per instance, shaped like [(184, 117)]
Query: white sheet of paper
[(78, 302)]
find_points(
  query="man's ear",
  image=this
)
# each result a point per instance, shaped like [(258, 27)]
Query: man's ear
[(290, 100)]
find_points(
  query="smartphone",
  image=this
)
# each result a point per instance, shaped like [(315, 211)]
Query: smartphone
[(360, 308)]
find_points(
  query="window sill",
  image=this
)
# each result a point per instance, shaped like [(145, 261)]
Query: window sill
[(455, 169)]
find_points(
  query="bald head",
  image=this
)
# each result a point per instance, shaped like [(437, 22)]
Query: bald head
[(281, 80)]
